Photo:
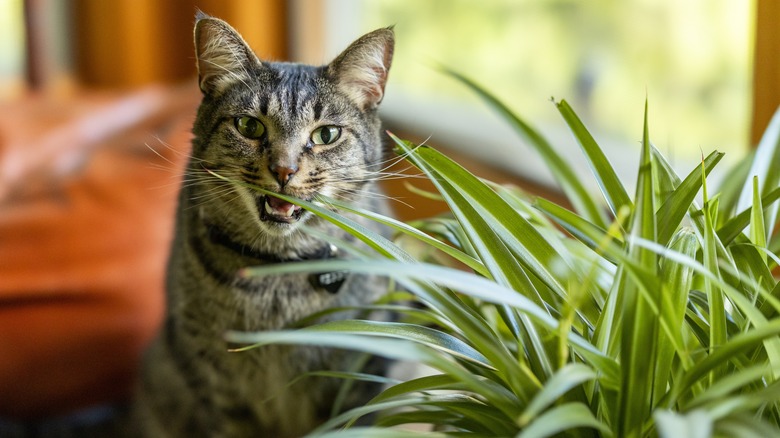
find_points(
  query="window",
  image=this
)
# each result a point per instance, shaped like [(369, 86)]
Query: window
[(691, 58), (11, 47)]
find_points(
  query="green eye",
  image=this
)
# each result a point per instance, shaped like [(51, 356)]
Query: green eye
[(325, 135), (250, 127)]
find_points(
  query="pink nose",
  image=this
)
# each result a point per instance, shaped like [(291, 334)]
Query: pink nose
[(283, 173)]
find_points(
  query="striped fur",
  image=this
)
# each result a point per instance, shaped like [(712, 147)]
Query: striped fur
[(192, 386)]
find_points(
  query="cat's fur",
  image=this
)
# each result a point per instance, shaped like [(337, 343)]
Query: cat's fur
[(192, 385)]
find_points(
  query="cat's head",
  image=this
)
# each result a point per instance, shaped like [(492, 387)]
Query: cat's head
[(294, 129)]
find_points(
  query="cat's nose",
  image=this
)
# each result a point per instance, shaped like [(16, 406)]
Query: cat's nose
[(283, 173)]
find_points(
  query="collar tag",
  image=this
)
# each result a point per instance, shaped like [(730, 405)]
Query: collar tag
[(330, 281)]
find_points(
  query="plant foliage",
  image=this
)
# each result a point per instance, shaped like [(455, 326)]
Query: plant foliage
[(628, 316)]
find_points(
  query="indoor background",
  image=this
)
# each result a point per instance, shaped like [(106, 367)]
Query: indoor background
[(97, 98)]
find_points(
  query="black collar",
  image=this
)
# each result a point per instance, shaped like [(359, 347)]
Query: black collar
[(218, 236), (325, 281)]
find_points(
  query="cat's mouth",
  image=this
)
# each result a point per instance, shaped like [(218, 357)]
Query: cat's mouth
[(277, 210)]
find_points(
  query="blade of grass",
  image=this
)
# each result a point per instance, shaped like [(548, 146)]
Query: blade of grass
[(505, 269), (491, 247), (731, 383), (419, 385), (737, 345), (607, 244), (734, 226), (464, 282), (678, 281), (424, 335), (567, 178), (745, 305), (367, 432), (694, 424), (715, 300), (563, 418), (399, 226), (758, 233), (564, 380), (766, 166), (536, 253), (731, 187), (639, 336), (677, 204), (746, 426), (608, 181)]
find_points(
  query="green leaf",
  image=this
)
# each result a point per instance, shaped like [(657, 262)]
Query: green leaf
[(413, 232), (479, 208), (639, 342), (765, 166), (419, 385), (694, 424), (559, 384), (352, 415), (678, 281), (424, 335), (715, 299), (738, 344), (464, 282), (758, 233), (678, 203), (731, 383), (608, 181), (596, 238), (746, 401), (366, 432), (746, 426), (493, 212), (731, 187), (564, 174), (734, 226), (563, 418)]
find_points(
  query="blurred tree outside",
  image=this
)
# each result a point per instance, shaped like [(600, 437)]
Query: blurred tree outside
[(691, 58), (11, 47)]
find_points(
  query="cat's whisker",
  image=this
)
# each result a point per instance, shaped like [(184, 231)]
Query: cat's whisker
[(156, 152), (393, 176), (391, 162), (206, 199), (371, 195)]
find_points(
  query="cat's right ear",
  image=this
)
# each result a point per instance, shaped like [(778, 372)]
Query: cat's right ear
[(223, 56)]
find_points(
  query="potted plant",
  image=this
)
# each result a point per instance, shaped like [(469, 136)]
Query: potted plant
[(628, 315)]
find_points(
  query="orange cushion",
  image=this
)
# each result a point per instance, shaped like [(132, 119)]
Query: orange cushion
[(84, 235)]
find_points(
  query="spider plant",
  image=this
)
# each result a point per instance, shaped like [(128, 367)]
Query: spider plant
[(628, 315)]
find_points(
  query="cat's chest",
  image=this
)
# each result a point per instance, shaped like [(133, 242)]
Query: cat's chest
[(263, 303), (275, 301)]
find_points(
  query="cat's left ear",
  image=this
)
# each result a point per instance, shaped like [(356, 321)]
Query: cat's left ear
[(361, 70), (223, 56)]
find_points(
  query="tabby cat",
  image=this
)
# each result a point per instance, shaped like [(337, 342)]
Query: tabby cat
[(294, 129)]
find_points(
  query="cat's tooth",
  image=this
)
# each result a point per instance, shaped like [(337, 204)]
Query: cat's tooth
[(290, 211), (268, 208)]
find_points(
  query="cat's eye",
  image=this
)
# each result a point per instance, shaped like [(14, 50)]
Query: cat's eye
[(325, 135), (250, 127)]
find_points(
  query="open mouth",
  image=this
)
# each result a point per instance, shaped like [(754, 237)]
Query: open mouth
[(277, 210)]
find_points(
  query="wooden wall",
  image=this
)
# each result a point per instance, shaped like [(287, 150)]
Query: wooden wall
[(127, 43), (766, 71)]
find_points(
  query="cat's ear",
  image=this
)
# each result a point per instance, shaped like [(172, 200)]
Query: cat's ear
[(223, 56), (361, 70)]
